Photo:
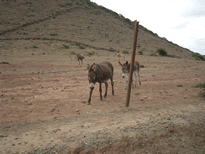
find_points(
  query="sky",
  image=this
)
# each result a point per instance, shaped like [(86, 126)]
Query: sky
[(179, 21)]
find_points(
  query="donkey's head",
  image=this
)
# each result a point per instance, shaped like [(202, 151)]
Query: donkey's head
[(92, 75), (125, 68)]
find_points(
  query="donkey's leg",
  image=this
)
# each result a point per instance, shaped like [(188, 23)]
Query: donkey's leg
[(106, 86), (112, 85), (91, 91), (139, 77), (100, 89), (126, 81), (135, 78)]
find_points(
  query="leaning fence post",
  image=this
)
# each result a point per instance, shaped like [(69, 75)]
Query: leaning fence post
[(132, 64)]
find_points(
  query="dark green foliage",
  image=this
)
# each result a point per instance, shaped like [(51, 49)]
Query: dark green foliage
[(162, 52), (90, 4), (81, 47), (35, 46), (112, 50), (125, 52), (140, 52), (53, 34), (65, 46), (200, 85), (202, 92), (197, 56)]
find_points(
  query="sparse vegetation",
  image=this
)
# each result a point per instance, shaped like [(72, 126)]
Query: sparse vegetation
[(81, 47), (112, 50), (202, 92), (140, 52), (197, 56), (90, 4), (65, 46), (125, 52), (53, 34), (90, 53), (35, 46), (162, 52), (72, 52)]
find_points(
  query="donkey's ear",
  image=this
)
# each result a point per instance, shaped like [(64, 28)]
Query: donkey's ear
[(120, 63), (127, 62)]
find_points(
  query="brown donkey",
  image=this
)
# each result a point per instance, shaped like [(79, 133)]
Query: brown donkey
[(126, 69), (80, 58), (100, 73)]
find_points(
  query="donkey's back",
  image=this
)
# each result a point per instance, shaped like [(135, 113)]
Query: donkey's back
[(106, 67)]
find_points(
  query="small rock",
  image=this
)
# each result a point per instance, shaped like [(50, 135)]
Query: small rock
[(83, 102), (185, 97), (170, 127), (141, 99), (179, 85), (77, 110)]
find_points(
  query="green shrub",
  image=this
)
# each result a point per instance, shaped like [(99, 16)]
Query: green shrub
[(90, 53), (200, 85), (90, 4), (125, 52), (65, 46), (53, 34), (197, 56), (162, 52), (81, 47), (112, 50), (202, 92), (35, 46), (140, 52)]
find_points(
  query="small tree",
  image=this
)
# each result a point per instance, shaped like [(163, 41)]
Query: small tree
[(162, 52)]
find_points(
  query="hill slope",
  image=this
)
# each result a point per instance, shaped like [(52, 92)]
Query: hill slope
[(79, 21)]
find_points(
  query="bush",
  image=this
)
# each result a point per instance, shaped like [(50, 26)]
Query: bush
[(81, 47), (202, 92), (140, 52), (90, 53), (35, 46), (125, 52), (162, 52), (112, 50), (197, 56), (65, 46)]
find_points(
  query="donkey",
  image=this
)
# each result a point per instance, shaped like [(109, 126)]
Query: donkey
[(80, 58), (120, 56), (100, 73), (126, 69)]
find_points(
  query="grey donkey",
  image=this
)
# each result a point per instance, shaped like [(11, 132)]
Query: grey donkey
[(80, 58), (125, 71), (100, 73)]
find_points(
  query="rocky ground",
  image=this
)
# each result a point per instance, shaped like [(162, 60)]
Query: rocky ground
[(43, 106)]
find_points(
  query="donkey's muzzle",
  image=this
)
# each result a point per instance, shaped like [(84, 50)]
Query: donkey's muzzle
[(92, 86)]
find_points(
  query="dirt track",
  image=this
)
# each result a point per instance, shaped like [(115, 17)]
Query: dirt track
[(43, 107)]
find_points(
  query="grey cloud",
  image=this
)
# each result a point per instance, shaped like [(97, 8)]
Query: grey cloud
[(182, 26), (198, 45), (197, 9)]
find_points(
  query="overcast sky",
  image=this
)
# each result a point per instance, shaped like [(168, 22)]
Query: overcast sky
[(180, 21)]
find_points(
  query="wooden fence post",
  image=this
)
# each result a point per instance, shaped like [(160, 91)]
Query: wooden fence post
[(132, 64)]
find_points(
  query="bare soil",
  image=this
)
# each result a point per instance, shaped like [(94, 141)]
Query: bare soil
[(43, 105)]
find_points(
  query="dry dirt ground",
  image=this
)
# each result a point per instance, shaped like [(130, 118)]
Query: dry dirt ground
[(43, 106)]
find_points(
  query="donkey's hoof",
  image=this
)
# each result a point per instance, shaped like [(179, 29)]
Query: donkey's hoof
[(104, 96), (88, 103), (113, 94)]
